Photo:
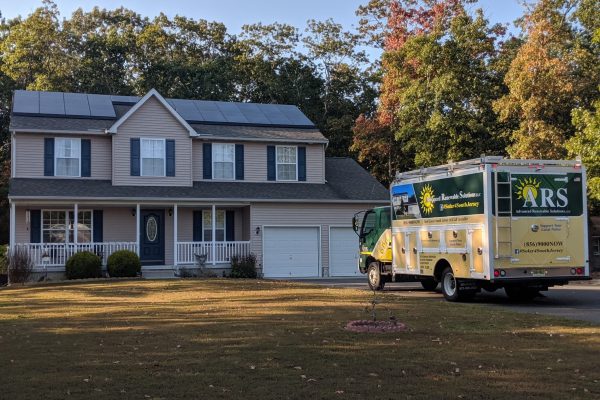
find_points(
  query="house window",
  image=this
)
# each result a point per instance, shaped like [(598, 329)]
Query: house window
[(596, 245), (67, 159), (223, 161), (287, 163), (58, 226), (153, 157), (207, 226)]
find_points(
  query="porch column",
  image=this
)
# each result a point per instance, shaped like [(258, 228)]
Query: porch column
[(214, 233), (12, 226), (137, 228), (176, 250), (75, 223)]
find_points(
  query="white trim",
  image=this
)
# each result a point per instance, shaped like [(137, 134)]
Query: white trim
[(151, 93), (55, 158), (137, 227), (76, 223), (214, 234), (277, 164), (175, 250), (12, 222), (97, 132), (164, 158), (212, 161), (319, 247), (214, 139), (13, 155), (215, 229)]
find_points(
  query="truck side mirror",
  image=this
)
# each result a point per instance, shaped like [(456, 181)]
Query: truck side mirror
[(354, 224)]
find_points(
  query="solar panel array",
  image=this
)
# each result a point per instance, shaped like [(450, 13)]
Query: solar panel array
[(81, 105)]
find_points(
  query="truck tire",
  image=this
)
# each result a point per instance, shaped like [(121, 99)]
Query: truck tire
[(376, 281), (520, 293), (451, 287), (429, 284)]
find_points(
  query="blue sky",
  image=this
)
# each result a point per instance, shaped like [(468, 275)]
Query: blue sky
[(235, 13)]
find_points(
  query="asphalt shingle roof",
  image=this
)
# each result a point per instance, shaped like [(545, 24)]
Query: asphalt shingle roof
[(346, 181)]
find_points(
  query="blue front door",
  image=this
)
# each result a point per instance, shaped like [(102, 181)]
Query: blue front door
[(152, 242)]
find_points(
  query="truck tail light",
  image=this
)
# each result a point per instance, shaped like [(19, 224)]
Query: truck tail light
[(579, 271), (496, 273)]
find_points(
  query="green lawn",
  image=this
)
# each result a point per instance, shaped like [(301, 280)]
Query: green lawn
[(261, 340)]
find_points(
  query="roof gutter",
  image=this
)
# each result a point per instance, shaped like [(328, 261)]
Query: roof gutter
[(170, 200), (61, 132)]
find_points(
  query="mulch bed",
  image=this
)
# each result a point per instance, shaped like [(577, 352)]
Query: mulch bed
[(368, 326)]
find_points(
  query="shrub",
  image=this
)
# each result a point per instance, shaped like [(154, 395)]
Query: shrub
[(20, 265), (124, 263), (3, 259), (243, 266), (83, 265)]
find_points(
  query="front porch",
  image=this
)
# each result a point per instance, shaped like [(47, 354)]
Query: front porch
[(165, 236)]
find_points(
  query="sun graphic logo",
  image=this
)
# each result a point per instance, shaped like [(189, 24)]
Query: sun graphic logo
[(426, 198), (527, 189)]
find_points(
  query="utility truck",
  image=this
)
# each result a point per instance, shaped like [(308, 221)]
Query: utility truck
[(487, 223)]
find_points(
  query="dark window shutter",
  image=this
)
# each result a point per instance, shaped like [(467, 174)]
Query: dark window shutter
[(135, 156), (207, 161), (97, 223), (35, 226), (48, 157), (239, 162), (229, 225), (197, 226), (271, 163), (86, 157), (170, 147), (302, 163)]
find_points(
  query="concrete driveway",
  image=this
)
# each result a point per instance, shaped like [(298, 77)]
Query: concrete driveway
[(576, 301)]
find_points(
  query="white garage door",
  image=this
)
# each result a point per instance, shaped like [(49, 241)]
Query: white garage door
[(291, 252), (343, 252)]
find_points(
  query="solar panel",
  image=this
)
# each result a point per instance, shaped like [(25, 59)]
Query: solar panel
[(186, 109), (274, 114), (101, 106), (209, 111), (294, 114), (76, 104), (26, 102), (52, 103), (232, 113), (125, 99), (253, 113)]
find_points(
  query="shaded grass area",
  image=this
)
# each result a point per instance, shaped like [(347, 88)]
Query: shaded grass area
[(258, 339)]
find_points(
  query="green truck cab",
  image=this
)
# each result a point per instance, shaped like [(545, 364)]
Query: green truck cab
[(370, 225)]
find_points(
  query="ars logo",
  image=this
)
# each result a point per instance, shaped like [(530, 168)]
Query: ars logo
[(529, 190)]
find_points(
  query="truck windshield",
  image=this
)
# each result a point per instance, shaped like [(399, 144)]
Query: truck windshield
[(368, 223)]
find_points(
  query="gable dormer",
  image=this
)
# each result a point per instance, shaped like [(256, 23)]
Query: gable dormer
[(152, 145)]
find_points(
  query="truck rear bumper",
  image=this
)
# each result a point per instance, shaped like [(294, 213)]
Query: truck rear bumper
[(545, 280)]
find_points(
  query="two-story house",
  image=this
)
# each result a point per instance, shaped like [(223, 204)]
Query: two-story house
[(171, 179)]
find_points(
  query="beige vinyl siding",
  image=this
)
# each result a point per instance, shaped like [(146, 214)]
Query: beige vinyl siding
[(119, 224), (255, 162), (321, 215), (152, 120), (29, 151)]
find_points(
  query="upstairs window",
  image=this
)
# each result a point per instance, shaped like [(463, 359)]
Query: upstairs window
[(223, 161), (67, 157), (153, 157), (287, 163)]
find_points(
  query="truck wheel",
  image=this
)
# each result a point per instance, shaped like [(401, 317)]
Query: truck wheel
[(451, 287), (517, 293), (374, 276), (429, 284)]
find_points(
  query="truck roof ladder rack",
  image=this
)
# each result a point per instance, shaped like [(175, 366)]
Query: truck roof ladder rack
[(503, 207)]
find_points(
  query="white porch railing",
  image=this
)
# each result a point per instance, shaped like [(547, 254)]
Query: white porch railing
[(223, 251), (57, 254)]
